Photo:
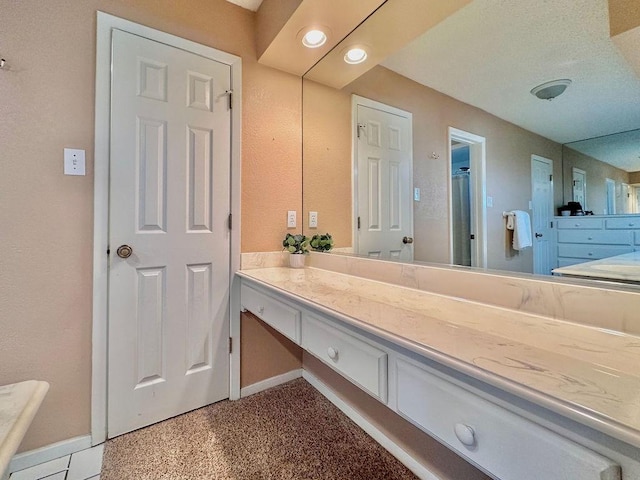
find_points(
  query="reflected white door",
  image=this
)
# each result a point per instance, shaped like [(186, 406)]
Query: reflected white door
[(169, 201), (384, 171), (542, 214), (611, 196), (580, 187)]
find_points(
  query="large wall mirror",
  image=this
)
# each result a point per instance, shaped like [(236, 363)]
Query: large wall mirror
[(456, 100)]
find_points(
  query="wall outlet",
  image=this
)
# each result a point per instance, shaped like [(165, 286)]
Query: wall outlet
[(313, 219), (291, 219)]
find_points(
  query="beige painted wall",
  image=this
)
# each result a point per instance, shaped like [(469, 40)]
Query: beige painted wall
[(634, 178), (597, 173), (46, 218), (509, 150), (441, 461), (265, 352), (623, 15)]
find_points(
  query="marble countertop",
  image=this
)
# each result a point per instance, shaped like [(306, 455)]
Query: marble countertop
[(585, 373), (19, 403), (621, 267)]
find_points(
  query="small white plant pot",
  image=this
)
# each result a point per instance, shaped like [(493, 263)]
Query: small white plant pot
[(296, 260)]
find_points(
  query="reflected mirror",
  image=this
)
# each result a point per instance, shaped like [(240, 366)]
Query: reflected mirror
[(480, 143)]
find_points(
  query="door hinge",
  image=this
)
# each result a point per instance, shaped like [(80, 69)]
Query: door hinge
[(472, 237), (230, 93), (551, 178), (230, 221), (230, 345), (358, 223), (551, 224), (108, 251)]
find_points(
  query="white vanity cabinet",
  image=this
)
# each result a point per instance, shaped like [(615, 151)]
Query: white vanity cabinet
[(435, 398), (584, 238), (498, 441)]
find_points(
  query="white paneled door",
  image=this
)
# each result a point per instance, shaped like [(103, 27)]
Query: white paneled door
[(169, 202), (542, 215), (384, 165)]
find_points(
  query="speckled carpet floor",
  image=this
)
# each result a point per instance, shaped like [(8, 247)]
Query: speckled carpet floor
[(288, 432)]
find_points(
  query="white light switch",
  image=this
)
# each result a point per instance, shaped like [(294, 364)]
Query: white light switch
[(73, 161), (489, 201), (291, 219), (416, 194), (313, 219)]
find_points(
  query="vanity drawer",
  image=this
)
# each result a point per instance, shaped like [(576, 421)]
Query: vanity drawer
[(624, 223), (594, 236), (591, 252), (580, 223), (280, 316), (500, 442), (637, 241), (359, 361)]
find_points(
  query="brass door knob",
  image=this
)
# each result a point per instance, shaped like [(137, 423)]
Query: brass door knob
[(124, 251), (407, 240)]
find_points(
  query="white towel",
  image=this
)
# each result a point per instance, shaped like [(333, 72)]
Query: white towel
[(521, 229)]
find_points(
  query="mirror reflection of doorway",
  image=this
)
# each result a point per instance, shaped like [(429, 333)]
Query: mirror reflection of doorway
[(461, 203), (467, 199), (580, 187), (611, 196)]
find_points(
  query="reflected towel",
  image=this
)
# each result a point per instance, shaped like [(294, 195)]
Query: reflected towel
[(520, 223), (521, 230)]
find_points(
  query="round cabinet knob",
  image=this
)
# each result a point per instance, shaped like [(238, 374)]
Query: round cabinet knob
[(124, 251), (261, 310), (631, 224), (333, 353), (465, 434)]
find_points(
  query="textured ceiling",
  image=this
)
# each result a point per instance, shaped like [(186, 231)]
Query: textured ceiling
[(248, 4), (492, 53)]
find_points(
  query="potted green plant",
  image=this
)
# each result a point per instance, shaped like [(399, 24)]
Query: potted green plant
[(321, 243), (297, 246)]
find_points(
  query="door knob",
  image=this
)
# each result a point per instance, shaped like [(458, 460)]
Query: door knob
[(407, 240), (538, 235), (124, 251)]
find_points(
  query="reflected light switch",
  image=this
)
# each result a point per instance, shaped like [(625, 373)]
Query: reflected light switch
[(73, 161)]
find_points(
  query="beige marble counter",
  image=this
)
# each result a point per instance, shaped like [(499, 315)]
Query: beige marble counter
[(621, 267), (19, 403), (585, 373)]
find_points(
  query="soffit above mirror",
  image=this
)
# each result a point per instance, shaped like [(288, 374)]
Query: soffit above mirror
[(281, 23), (248, 4), (393, 25)]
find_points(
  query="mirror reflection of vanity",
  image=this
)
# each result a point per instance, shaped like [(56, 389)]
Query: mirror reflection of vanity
[(473, 72)]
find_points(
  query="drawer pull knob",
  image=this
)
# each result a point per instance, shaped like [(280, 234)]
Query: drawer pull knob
[(333, 353), (261, 310), (577, 224), (631, 224), (590, 254), (590, 238), (465, 434)]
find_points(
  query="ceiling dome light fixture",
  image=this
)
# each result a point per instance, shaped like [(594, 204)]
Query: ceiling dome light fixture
[(355, 55), (550, 90), (314, 38)]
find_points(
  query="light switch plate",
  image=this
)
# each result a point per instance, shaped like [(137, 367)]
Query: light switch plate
[(291, 219), (313, 219), (416, 194), (74, 163)]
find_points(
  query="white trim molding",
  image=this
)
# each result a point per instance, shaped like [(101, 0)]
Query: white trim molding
[(49, 452), (387, 443), (105, 25), (270, 382)]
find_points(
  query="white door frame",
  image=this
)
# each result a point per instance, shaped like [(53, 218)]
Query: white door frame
[(105, 24), (477, 162)]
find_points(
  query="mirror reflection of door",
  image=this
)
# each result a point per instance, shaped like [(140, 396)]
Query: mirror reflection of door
[(580, 187), (461, 203), (626, 197), (542, 214), (383, 156), (611, 197)]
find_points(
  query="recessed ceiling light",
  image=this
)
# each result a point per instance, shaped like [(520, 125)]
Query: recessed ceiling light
[(355, 55), (550, 90), (314, 38)]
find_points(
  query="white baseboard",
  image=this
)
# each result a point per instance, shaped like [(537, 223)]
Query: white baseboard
[(49, 452), (393, 448), (270, 382)]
